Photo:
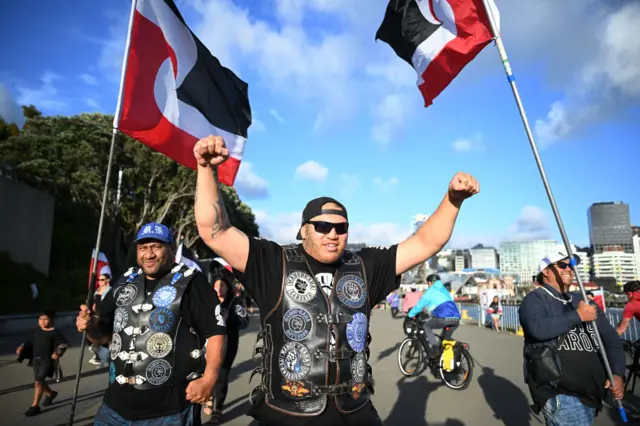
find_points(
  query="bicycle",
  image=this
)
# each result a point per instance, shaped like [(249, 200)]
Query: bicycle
[(453, 359), (632, 355)]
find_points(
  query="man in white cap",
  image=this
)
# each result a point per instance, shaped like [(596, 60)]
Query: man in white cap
[(562, 367)]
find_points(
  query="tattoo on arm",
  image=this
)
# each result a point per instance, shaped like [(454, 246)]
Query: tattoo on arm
[(221, 220)]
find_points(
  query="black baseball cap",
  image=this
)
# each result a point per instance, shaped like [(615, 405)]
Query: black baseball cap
[(314, 208)]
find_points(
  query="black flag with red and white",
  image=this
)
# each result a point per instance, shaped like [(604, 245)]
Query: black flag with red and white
[(176, 92), (438, 38)]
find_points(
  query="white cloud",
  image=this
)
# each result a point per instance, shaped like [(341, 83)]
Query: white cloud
[(249, 184), (389, 115), (468, 144), (113, 46), (44, 97), (88, 79), (349, 185), (10, 111), (286, 58), (311, 171), (276, 115), (606, 85), (283, 228), (92, 103), (532, 224), (386, 184), (317, 123)]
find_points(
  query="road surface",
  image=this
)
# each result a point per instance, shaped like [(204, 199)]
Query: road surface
[(497, 396)]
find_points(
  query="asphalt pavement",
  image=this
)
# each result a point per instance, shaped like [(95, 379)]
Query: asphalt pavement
[(496, 396)]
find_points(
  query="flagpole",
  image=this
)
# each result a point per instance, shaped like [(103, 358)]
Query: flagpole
[(512, 82), (105, 193)]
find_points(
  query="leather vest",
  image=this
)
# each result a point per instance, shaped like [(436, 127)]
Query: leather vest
[(297, 348), (146, 329)]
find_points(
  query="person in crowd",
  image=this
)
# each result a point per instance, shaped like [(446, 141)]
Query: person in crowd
[(591, 296), (44, 347), (152, 378), (442, 309), (632, 308), (495, 309), (101, 352), (315, 298), (393, 299), (235, 314), (562, 364)]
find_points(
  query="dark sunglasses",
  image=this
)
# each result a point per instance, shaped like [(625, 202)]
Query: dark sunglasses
[(563, 265), (322, 227)]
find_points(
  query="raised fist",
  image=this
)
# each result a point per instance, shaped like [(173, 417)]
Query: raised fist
[(210, 151), (463, 186)]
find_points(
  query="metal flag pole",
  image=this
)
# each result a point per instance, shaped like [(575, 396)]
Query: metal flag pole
[(547, 187), (94, 266)]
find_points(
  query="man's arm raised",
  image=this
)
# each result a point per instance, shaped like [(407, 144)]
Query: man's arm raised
[(436, 231), (211, 215)]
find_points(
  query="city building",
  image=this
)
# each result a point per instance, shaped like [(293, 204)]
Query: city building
[(484, 257), (609, 226), (445, 260), (461, 260), (355, 247), (636, 251), (523, 258), (615, 264), (635, 230), (417, 222)]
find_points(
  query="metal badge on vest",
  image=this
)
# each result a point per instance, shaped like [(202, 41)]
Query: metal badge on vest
[(146, 328), (298, 349)]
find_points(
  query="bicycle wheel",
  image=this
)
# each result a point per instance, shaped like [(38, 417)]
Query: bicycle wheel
[(460, 377), (410, 357)]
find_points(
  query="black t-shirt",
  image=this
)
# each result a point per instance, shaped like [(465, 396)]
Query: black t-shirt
[(198, 311), (45, 342), (583, 374), (263, 281)]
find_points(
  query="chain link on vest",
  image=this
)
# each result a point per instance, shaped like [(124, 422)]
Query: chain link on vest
[(296, 339)]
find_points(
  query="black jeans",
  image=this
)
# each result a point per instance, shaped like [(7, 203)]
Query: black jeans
[(221, 388), (438, 324)]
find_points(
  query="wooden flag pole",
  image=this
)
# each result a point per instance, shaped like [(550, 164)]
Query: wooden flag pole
[(105, 193), (512, 82)]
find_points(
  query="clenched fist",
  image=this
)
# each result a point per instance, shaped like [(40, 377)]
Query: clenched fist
[(463, 186), (210, 151), (84, 319)]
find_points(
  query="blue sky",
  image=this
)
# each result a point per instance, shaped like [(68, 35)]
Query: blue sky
[(336, 113)]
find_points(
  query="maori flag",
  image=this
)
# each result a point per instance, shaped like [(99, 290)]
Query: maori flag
[(176, 92), (438, 38)]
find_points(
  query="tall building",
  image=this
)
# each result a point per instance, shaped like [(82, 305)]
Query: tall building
[(523, 258), (615, 264), (461, 260), (484, 257), (417, 222), (610, 226), (635, 230), (636, 251)]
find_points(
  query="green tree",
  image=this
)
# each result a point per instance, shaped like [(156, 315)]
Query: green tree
[(7, 129), (67, 158)]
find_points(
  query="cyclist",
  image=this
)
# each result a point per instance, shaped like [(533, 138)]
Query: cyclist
[(631, 309), (443, 312)]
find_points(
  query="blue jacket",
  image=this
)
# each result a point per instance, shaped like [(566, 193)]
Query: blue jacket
[(438, 301)]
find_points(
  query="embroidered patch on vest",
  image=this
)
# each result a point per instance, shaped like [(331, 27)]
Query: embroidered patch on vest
[(120, 319), (300, 286), (297, 324), (112, 372), (358, 368), (295, 389), (356, 390), (293, 255), (351, 291), (125, 294), (115, 346), (357, 332), (159, 345), (161, 320), (294, 361), (158, 372), (164, 296)]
